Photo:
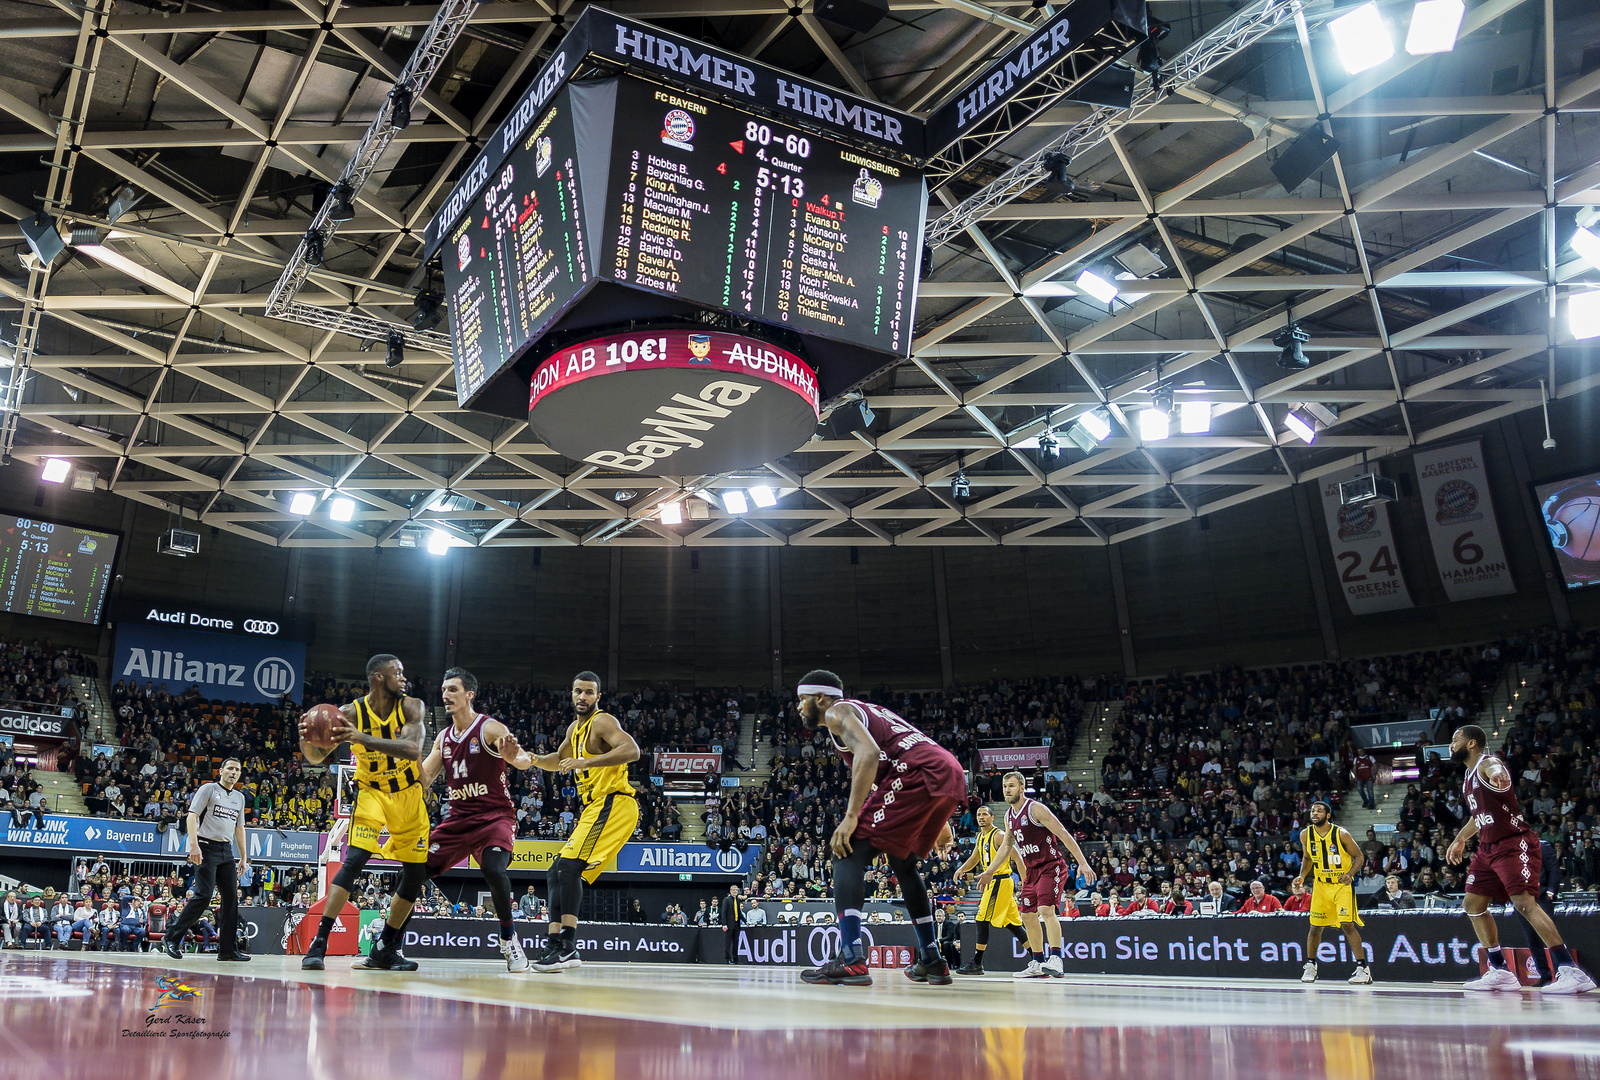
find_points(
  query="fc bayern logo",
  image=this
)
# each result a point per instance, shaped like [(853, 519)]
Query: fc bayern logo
[(1355, 521), (1456, 498), (677, 129)]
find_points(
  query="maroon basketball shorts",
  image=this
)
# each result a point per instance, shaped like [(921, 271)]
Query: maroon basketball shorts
[(457, 837), (903, 819), (1046, 887), (1506, 867)]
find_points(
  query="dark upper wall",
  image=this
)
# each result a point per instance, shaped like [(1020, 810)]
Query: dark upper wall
[(1236, 587)]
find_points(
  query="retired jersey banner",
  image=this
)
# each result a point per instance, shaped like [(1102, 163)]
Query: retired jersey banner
[(1363, 550), (1454, 488)]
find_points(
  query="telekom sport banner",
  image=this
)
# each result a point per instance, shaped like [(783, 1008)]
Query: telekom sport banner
[(1363, 550), (1454, 488), (1014, 757)]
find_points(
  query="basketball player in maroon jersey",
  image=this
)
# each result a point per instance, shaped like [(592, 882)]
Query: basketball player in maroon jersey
[(1034, 833), (1505, 867), (903, 789), (479, 819)]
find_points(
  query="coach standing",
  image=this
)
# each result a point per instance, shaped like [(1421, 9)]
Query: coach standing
[(216, 824)]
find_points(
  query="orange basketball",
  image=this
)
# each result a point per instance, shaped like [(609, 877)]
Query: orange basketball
[(1582, 518), (318, 723)]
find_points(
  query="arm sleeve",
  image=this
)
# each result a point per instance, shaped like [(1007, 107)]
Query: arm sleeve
[(201, 800)]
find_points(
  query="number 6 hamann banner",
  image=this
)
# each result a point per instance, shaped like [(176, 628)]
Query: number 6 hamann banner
[(1363, 550), (1454, 488)]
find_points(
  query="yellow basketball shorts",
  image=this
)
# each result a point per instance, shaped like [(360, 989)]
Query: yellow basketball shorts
[(603, 827), (402, 814), (998, 904), (1333, 904)]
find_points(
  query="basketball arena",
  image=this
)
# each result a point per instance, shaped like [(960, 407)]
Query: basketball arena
[(878, 538)]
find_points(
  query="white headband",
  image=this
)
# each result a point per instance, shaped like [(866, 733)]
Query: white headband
[(820, 688)]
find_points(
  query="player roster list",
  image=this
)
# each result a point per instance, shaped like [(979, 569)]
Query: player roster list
[(54, 570), (519, 257), (722, 208)]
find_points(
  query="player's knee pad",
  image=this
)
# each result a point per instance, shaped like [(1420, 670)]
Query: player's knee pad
[(569, 876), (412, 877), (355, 861), (495, 860)]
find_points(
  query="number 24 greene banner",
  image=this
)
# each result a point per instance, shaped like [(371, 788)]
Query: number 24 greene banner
[(1363, 550), (1453, 488)]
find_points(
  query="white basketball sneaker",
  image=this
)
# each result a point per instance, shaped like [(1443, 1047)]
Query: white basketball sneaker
[(1032, 971), (1052, 967), (1362, 977), (511, 949), (1570, 980), (1309, 974), (1501, 979)]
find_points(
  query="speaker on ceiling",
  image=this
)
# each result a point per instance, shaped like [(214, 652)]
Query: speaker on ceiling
[(1111, 87), (1303, 158), (858, 15)]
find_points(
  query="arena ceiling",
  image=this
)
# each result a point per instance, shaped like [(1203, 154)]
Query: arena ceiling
[(1428, 262)]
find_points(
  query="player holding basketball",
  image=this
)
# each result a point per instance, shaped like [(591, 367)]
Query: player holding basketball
[(599, 751), (1331, 852), (480, 820), (385, 730), (997, 907), (1505, 867), (1035, 834), (903, 788)]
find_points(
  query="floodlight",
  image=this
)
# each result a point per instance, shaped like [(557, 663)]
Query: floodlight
[(342, 509), (302, 503), (763, 496), (1587, 245), (342, 208), (56, 470), (1361, 38), (1301, 426), (438, 542), (1194, 417), (672, 513), (1096, 423), (1154, 425), (1583, 314), (1103, 289), (1434, 25), (734, 502)]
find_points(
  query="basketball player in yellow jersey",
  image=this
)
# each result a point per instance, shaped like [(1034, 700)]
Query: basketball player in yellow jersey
[(599, 751), (998, 904), (386, 732), (1330, 853)]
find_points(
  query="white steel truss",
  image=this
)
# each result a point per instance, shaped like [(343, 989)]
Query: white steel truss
[(1427, 263)]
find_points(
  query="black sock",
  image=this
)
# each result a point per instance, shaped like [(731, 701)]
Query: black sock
[(1038, 957), (569, 938), (506, 931), (324, 928), (1560, 956), (391, 936), (1497, 959)]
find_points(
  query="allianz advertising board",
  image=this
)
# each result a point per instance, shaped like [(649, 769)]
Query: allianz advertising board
[(221, 666)]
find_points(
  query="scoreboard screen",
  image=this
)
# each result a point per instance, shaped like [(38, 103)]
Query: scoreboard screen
[(518, 257), (723, 208), (54, 570)]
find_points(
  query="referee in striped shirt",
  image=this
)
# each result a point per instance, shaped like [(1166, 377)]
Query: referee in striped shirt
[(216, 824)]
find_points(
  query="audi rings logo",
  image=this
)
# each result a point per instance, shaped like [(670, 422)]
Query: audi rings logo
[(730, 861), (274, 677), (823, 944), (260, 626)]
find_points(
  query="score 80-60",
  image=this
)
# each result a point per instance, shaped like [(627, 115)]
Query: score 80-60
[(762, 135)]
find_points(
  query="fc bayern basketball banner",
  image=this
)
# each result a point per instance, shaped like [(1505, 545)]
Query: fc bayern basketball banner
[(1363, 550), (1454, 489), (221, 666)]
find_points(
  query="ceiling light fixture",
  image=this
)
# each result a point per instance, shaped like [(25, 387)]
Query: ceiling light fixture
[(734, 502), (763, 496), (342, 208), (1303, 426), (1583, 314), (1587, 245), (671, 513), (316, 249), (56, 470), (1194, 418), (1102, 287), (342, 509), (1434, 26), (1154, 425), (302, 503), (439, 542), (427, 316), (1291, 356), (400, 113), (1056, 175), (1049, 445), (395, 353), (1362, 39)]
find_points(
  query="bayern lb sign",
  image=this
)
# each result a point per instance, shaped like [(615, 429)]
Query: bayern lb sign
[(674, 402)]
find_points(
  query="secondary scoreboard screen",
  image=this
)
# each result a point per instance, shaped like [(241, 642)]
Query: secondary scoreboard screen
[(54, 570), (518, 258), (717, 206)]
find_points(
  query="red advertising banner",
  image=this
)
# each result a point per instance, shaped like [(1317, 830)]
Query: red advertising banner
[(698, 764), (1014, 757)]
